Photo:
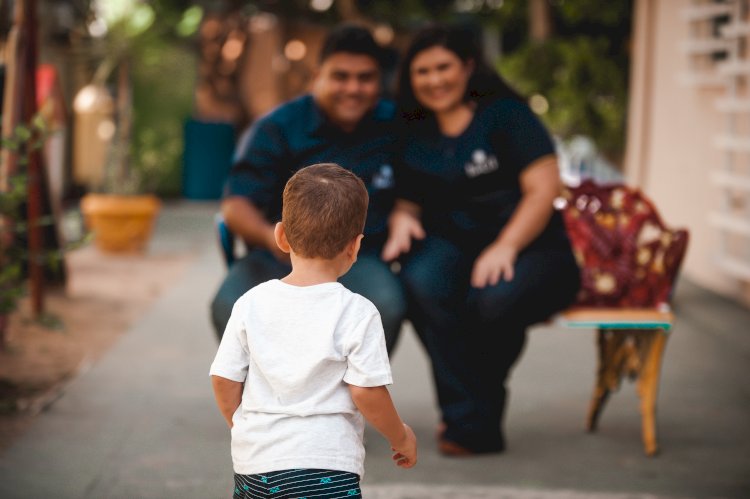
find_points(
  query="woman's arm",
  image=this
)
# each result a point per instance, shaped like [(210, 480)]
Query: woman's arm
[(540, 185), (403, 225), (228, 396)]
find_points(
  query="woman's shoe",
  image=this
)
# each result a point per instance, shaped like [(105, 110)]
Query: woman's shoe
[(452, 449)]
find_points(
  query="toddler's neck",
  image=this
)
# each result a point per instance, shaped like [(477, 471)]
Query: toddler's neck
[(312, 271)]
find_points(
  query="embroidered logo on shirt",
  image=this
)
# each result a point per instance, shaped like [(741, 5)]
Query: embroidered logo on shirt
[(480, 164), (383, 179)]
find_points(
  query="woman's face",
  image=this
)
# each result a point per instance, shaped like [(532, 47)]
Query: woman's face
[(439, 78)]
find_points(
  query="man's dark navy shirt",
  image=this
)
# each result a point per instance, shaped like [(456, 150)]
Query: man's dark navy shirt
[(297, 134)]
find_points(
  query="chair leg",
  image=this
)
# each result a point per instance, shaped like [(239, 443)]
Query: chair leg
[(648, 385), (601, 394), (602, 386)]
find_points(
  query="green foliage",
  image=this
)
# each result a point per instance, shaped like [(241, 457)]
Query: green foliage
[(11, 254), (407, 13), (161, 105), (14, 255), (596, 12), (23, 141), (11, 287), (585, 89), (154, 39)]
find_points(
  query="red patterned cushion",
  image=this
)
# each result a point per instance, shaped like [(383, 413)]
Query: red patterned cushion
[(628, 257)]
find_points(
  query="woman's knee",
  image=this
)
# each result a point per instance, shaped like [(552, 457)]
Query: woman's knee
[(432, 261), (495, 303), (426, 282)]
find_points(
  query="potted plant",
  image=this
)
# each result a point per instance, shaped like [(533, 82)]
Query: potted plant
[(117, 211), (136, 44)]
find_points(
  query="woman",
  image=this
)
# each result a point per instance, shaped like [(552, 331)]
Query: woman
[(485, 254)]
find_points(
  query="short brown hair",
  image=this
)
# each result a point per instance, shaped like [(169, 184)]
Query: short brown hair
[(324, 208)]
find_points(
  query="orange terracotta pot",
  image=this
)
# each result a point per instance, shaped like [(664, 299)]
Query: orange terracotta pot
[(120, 223)]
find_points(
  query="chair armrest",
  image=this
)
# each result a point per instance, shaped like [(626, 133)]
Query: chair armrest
[(226, 240)]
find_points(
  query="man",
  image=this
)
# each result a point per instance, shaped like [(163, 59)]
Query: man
[(341, 121)]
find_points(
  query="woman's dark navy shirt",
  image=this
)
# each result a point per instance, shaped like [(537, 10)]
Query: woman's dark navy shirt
[(468, 186), (297, 134)]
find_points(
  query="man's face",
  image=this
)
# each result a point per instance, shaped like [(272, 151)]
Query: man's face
[(346, 87)]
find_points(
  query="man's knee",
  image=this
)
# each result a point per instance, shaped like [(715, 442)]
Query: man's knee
[(221, 310), (392, 310), (390, 300)]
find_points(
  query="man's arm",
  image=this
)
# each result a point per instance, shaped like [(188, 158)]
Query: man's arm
[(246, 220), (376, 406), (255, 181), (228, 395)]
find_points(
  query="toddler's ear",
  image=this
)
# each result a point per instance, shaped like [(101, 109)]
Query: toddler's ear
[(280, 235), (354, 246)]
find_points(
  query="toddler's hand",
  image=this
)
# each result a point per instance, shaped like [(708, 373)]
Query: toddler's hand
[(405, 452)]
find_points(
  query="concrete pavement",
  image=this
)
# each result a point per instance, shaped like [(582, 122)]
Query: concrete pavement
[(141, 423)]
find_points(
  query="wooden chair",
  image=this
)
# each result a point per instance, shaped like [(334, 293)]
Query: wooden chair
[(629, 262)]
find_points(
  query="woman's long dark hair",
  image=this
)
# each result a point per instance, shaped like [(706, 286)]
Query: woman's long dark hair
[(484, 85)]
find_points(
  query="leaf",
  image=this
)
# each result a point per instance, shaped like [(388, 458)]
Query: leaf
[(9, 143), (22, 133), (39, 123)]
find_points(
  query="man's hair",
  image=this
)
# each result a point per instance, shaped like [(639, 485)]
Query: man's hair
[(352, 39), (324, 208)]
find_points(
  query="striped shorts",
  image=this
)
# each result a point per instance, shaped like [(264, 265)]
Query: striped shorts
[(297, 484)]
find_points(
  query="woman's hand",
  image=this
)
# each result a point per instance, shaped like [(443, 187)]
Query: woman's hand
[(403, 226), (494, 263)]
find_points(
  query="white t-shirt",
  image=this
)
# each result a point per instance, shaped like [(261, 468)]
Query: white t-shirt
[(297, 349)]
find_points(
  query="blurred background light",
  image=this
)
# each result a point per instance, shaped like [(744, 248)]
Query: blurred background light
[(97, 28), (321, 5), (295, 50), (538, 103), (383, 34), (106, 130), (262, 22), (232, 49)]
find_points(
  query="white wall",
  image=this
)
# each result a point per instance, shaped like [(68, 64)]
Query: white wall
[(672, 126)]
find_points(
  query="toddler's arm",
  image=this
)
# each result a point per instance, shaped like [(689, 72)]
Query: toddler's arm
[(228, 395), (376, 406)]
